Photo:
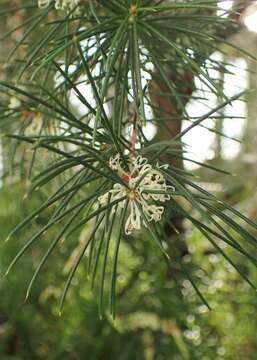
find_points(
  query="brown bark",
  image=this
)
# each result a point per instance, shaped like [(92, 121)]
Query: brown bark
[(166, 108)]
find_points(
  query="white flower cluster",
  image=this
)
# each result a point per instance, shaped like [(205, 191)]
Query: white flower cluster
[(140, 179), (66, 5), (14, 103)]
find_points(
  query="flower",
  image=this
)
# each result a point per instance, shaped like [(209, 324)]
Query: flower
[(14, 103), (67, 5), (145, 186)]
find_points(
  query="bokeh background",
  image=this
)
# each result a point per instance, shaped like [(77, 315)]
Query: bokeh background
[(155, 320)]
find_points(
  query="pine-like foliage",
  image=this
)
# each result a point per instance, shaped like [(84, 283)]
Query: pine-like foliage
[(85, 80)]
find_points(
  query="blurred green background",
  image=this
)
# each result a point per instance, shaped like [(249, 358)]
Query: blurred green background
[(154, 321)]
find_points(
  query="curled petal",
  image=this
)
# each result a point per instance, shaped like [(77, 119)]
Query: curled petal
[(42, 4), (134, 219), (114, 162), (153, 212)]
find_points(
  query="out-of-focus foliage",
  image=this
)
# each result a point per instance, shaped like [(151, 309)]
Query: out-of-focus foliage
[(155, 320)]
